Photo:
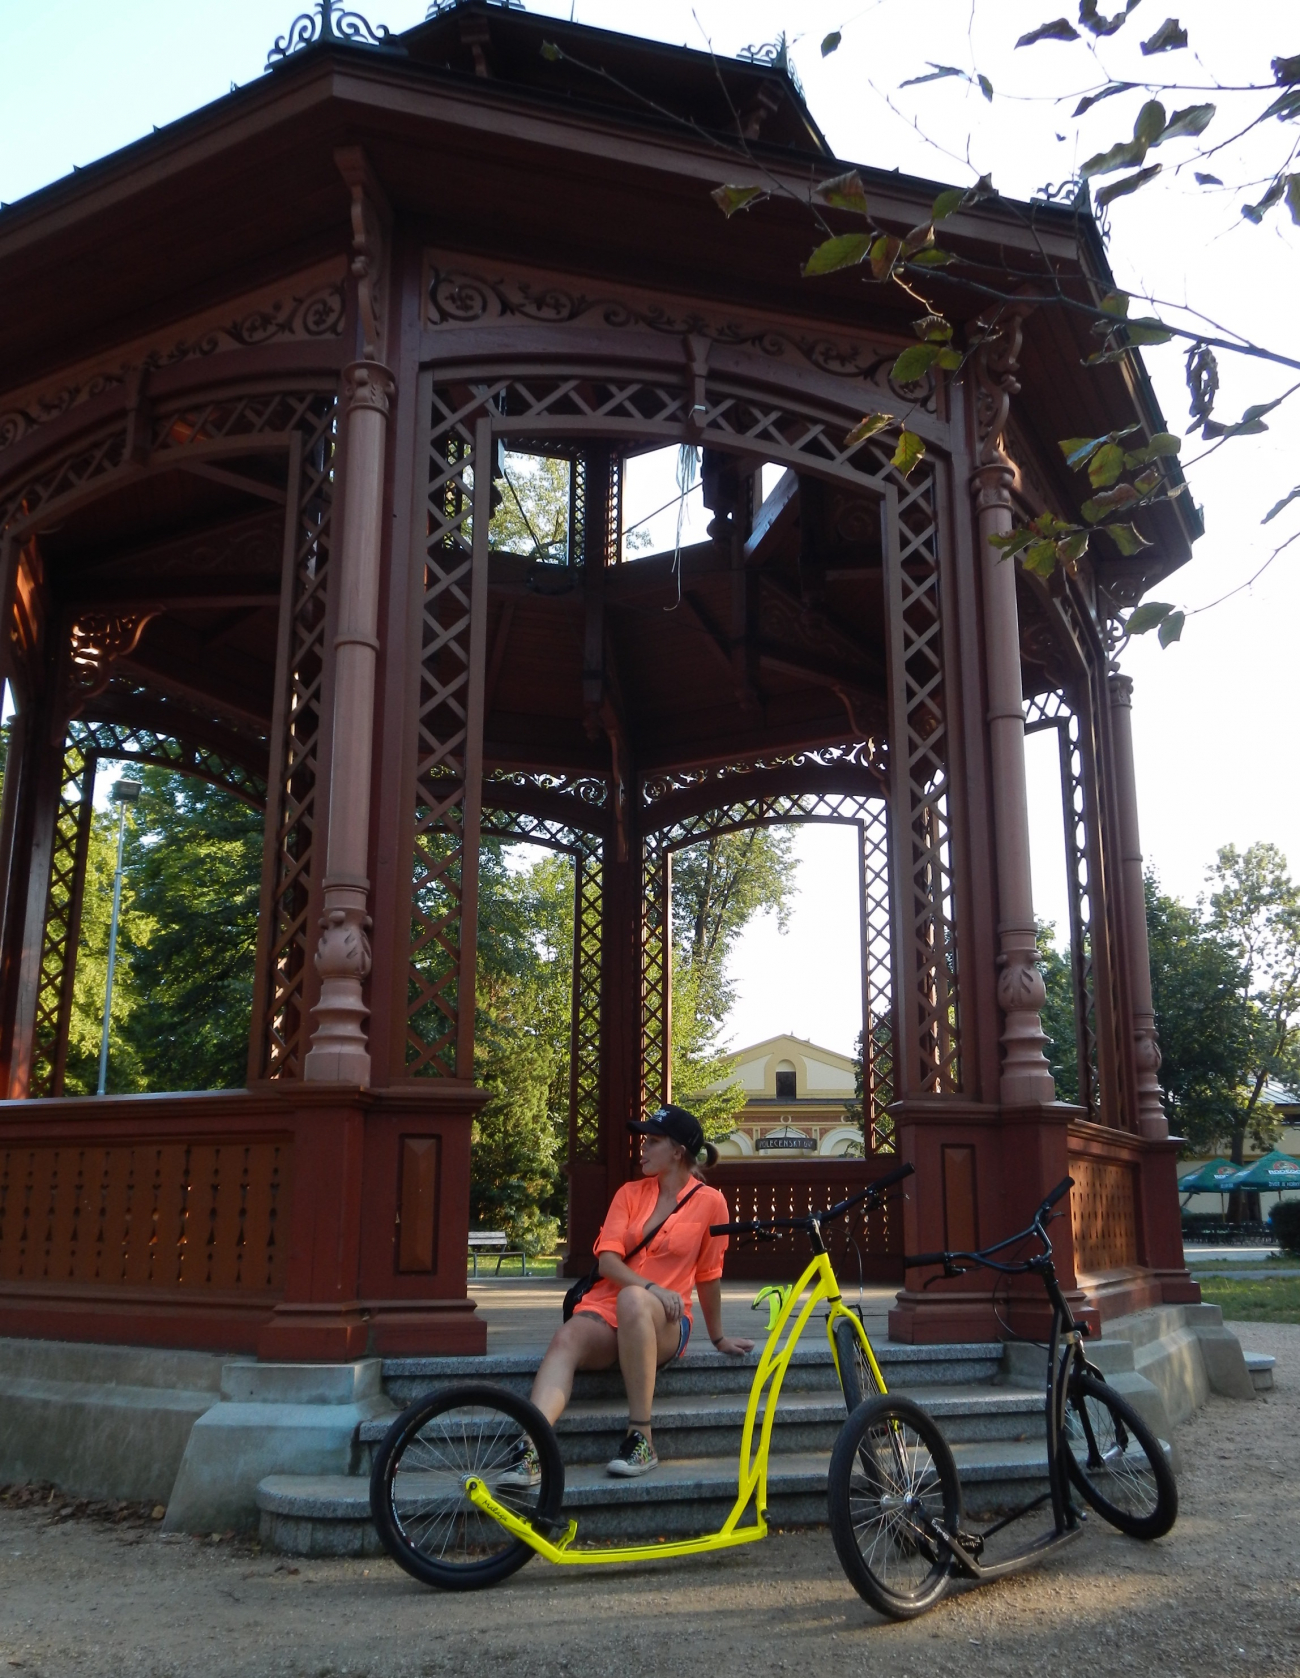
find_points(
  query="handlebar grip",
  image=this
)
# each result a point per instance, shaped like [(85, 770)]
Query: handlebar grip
[(897, 1176), (735, 1229), (918, 1259), (1062, 1188)]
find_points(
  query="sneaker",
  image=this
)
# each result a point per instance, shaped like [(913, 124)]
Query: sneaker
[(636, 1455), (523, 1466)]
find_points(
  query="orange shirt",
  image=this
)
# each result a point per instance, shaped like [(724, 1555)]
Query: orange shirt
[(682, 1252)]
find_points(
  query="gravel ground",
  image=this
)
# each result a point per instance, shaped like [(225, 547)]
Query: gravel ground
[(88, 1594)]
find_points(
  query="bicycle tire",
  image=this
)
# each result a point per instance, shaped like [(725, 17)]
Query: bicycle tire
[(1133, 1489), (891, 1475), (857, 1382), (417, 1499)]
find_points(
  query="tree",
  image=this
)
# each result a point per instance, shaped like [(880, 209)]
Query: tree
[(532, 516), (189, 932), (1199, 989), (719, 885), (1122, 476), (1255, 910), (1058, 1015)]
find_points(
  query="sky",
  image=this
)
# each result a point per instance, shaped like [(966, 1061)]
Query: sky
[(1215, 716)]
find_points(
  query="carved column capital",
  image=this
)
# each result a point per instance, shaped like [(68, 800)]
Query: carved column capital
[(1121, 689), (368, 384), (991, 486)]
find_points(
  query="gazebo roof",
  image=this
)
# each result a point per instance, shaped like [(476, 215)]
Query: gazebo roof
[(628, 136)]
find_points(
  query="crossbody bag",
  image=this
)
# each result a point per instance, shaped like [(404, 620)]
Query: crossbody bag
[(583, 1286)]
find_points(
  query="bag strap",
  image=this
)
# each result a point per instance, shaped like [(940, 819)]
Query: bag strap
[(648, 1238)]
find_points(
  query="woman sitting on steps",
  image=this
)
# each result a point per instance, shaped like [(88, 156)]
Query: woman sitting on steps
[(639, 1313)]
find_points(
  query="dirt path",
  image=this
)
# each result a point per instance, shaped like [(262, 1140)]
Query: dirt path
[(1220, 1595)]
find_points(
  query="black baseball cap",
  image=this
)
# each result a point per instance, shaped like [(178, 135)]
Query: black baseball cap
[(676, 1124)]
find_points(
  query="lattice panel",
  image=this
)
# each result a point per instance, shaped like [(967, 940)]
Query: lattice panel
[(292, 810), (62, 916), (766, 809), (1103, 1215), (877, 955), (1052, 710), (920, 743), (438, 858), (194, 1215), (588, 904), (86, 743)]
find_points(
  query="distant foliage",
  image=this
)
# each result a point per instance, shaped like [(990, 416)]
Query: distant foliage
[(1285, 1219), (1058, 1014)]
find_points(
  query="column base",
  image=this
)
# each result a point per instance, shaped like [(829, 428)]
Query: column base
[(930, 1319), (315, 1334), (436, 1328)]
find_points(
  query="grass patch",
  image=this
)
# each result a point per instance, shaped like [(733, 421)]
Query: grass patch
[(1273, 1299), (1211, 1267)]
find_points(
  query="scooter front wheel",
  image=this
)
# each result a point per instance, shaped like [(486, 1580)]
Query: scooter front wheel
[(417, 1486)]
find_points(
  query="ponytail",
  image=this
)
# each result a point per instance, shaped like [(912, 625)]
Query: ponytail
[(705, 1160)]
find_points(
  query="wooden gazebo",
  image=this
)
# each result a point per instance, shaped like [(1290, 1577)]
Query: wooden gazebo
[(258, 373)]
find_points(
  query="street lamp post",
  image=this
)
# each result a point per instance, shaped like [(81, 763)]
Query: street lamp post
[(125, 792)]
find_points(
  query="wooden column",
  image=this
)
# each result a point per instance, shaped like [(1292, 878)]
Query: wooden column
[(1026, 1077), (339, 1052), (1152, 1121)]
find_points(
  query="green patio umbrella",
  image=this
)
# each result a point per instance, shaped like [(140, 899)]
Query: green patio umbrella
[(1211, 1178), (1277, 1171)]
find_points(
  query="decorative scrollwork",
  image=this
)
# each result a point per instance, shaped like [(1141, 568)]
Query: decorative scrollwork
[(775, 54), (587, 789), (863, 754), (996, 362), (96, 640), (330, 22), (456, 298)]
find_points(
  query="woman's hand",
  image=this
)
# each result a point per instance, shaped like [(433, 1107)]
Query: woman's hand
[(671, 1302), (733, 1348)]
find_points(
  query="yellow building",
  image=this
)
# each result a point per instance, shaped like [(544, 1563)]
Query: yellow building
[(795, 1107)]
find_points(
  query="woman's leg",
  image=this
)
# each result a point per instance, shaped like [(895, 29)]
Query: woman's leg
[(645, 1340), (586, 1341)]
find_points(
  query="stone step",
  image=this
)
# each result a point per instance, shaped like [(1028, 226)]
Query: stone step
[(692, 1425), (330, 1514), (703, 1370), (1259, 1366)]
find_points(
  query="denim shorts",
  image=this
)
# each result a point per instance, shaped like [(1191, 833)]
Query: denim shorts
[(683, 1340)]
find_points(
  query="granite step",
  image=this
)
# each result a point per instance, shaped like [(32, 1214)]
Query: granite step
[(1259, 1366), (703, 1370), (691, 1425), (330, 1514)]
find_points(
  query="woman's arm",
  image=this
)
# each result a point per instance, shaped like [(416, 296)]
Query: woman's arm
[(711, 1305), (617, 1270)]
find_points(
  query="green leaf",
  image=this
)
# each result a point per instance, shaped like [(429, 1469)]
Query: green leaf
[(1077, 449), (1284, 502), (950, 359), (1207, 180), (1148, 330), (1072, 548), (933, 328), (1250, 424), (1293, 197), (1090, 18), (910, 451), (1130, 183), (1285, 106), (1106, 465), (1109, 92), (1149, 480), (1170, 36), (914, 363), (868, 427), (729, 199), (1061, 29), (843, 251), (1171, 629), (1257, 212), (1011, 541), (1123, 155), (1040, 558), (1162, 445), (885, 252), (830, 43), (1095, 509), (919, 239), (1286, 70), (1115, 303), (1147, 616), (986, 86), (932, 257), (1150, 122), (1127, 538), (845, 192), (948, 200), (551, 53), (1193, 119), (938, 72)]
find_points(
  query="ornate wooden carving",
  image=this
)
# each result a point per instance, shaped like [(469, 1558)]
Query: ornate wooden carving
[(792, 1189), (173, 1215), (96, 640)]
